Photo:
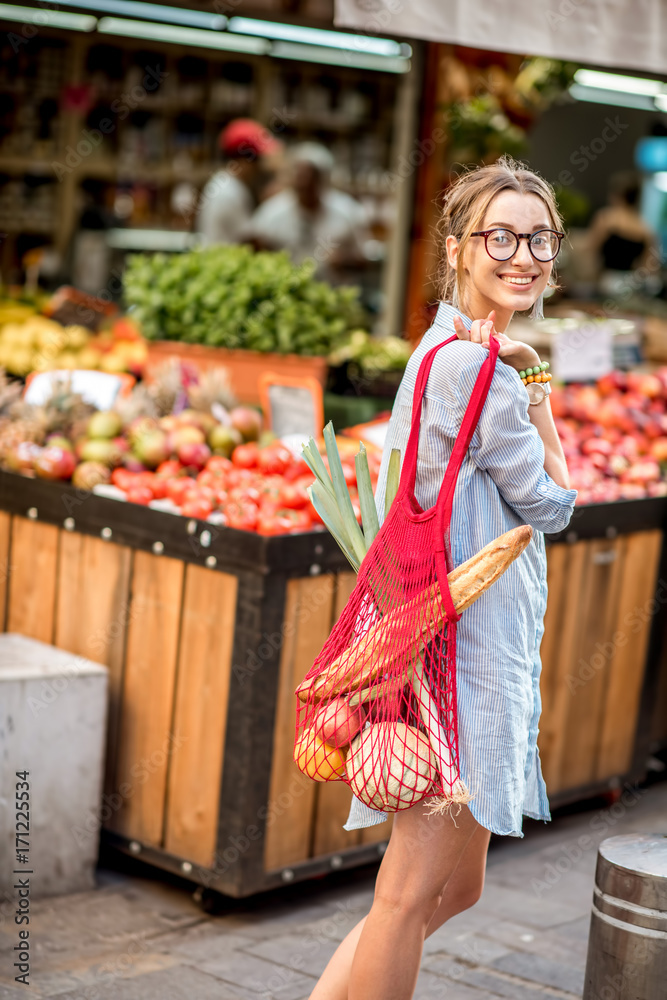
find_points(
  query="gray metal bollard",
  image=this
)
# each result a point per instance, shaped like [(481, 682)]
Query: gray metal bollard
[(627, 948)]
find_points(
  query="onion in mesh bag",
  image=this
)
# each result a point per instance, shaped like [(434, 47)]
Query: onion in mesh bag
[(390, 766)]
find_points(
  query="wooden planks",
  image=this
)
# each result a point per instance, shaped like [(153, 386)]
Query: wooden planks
[(145, 738), (634, 614), (308, 615), (5, 533), (596, 637), (200, 713), (92, 616), (32, 582)]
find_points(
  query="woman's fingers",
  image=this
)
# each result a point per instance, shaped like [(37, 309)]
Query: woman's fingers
[(461, 330)]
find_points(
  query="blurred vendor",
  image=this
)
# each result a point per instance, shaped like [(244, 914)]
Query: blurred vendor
[(310, 219), (229, 198), (622, 241)]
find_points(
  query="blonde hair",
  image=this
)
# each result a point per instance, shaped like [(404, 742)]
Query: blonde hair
[(465, 204)]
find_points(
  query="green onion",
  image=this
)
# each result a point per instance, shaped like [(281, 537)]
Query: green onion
[(326, 508), (393, 477), (343, 501), (369, 514)]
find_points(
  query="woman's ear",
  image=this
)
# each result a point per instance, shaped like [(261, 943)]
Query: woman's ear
[(452, 248)]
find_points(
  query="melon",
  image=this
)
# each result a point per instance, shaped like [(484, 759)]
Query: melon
[(390, 766)]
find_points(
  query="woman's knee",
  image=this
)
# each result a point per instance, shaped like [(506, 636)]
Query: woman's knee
[(407, 903)]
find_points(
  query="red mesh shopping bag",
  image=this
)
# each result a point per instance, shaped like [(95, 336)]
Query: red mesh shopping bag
[(378, 707)]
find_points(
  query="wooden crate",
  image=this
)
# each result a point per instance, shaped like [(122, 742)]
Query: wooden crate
[(206, 633), (245, 367)]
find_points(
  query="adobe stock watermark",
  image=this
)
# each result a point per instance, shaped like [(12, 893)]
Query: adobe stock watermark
[(565, 9), (92, 138)]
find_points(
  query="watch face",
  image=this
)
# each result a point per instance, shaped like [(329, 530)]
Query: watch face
[(536, 392)]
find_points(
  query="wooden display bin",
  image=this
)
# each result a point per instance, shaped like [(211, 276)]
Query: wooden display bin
[(206, 633), (244, 367)]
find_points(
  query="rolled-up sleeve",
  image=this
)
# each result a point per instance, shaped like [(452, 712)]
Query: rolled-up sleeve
[(508, 447)]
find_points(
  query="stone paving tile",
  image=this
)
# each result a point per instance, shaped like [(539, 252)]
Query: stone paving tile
[(208, 940), (105, 970), (180, 983), (432, 987), (254, 977), (473, 948), (537, 969), (305, 952), (16, 992), (101, 921), (505, 986), (521, 906), (551, 944)]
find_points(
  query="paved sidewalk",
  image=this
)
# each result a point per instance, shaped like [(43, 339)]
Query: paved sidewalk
[(140, 936)]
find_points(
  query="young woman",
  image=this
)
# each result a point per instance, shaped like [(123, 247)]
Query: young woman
[(500, 231)]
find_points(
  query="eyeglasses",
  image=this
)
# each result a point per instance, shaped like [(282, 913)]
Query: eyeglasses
[(502, 244)]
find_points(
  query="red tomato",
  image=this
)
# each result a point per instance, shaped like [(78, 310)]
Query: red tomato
[(197, 492), (196, 506), (297, 468), (350, 474), (221, 497), (140, 494), (274, 459), (167, 470), (159, 487), (294, 496), (241, 515), (283, 521), (245, 456), (208, 477), (245, 494), (122, 478), (177, 488), (219, 464)]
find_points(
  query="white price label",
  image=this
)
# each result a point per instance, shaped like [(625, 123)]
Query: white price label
[(582, 353)]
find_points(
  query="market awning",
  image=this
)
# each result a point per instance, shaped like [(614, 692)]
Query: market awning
[(623, 33)]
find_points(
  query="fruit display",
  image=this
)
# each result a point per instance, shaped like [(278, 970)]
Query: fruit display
[(178, 443), (372, 355), (31, 342), (614, 435), (228, 296)]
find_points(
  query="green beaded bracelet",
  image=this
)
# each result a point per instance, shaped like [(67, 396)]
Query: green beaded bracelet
[(522, 374)]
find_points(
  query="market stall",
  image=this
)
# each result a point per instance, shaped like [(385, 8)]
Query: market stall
[(207, 629)]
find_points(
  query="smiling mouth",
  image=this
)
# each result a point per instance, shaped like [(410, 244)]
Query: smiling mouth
[(518, 280)]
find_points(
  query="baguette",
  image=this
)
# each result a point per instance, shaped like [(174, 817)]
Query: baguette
[(393, 635)]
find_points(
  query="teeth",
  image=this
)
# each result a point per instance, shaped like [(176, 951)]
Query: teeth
[(516, 281)]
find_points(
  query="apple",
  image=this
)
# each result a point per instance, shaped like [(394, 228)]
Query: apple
[(104, 424), (337, 724), (89, 474), (247, 421), (194, 454), (222, 440), (54, 463)]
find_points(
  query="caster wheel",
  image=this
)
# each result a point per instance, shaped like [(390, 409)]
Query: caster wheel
[(208, 900)]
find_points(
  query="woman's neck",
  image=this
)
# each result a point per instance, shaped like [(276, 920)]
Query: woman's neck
[(478, 307)]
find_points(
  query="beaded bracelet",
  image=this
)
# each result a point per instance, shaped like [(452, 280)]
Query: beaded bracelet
[(537, 374)]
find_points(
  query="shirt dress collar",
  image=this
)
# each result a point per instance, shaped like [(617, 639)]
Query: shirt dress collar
[(443, 321)]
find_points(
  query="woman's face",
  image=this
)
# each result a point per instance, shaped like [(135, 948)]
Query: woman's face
[(508, 285)]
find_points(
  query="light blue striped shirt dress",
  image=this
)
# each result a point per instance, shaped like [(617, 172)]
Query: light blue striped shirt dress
[(502, 484)]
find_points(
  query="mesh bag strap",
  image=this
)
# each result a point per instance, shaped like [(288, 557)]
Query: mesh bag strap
[(409, 472), (443, 554)]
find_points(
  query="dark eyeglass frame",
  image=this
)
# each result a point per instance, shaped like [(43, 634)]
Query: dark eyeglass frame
[(518, 237)]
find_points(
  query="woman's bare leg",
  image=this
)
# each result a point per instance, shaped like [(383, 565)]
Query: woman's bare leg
[(461, 888)]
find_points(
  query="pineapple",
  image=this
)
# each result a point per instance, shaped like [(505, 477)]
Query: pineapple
[(213, 386)]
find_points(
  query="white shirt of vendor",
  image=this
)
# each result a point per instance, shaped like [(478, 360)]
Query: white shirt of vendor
[(337, 228), (224, 210)]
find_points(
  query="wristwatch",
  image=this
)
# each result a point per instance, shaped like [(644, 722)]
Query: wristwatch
[(537, 391)]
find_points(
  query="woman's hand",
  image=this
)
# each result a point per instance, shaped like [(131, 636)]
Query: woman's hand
[(513, 352)]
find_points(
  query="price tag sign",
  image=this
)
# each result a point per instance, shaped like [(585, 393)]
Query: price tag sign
[(292, 407), (582, 353), (100, 389)]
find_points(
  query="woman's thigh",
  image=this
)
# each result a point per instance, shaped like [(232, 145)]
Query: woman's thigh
[(423, 854)]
